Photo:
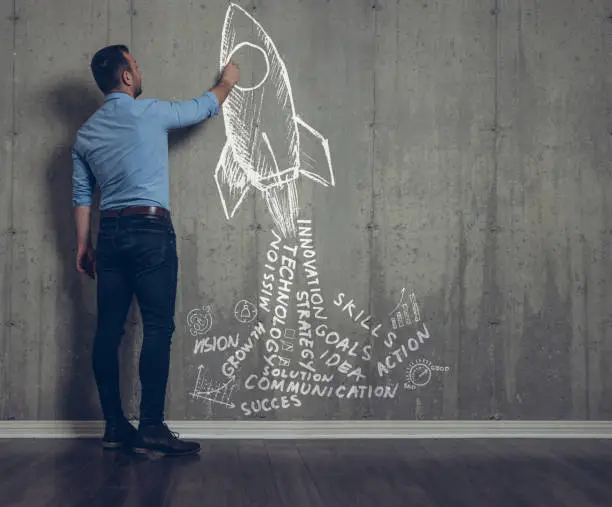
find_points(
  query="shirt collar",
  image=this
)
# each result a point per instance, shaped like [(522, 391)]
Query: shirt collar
[(118, 95)]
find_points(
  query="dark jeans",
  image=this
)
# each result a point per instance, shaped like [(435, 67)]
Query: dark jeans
[(136, 255)]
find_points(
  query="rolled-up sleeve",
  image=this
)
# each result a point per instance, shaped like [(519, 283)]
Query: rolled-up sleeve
[(83, 181), (178, 114)]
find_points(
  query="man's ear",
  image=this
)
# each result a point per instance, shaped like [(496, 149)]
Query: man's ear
[(126, 77)]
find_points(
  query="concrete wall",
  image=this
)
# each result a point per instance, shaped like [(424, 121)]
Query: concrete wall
[(470, 145)]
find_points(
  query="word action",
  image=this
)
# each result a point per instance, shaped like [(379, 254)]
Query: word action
[(399, 355)]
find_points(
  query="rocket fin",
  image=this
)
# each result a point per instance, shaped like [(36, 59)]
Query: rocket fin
[(232, 181), (315, 159)]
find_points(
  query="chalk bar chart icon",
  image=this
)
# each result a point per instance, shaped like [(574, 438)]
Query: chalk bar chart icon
[(400, 315), (268, 145), (206, 390)]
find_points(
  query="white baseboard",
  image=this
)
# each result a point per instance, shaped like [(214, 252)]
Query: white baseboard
[(221, 429)]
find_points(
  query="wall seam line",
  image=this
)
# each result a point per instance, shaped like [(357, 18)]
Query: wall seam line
[(108, 22), (493, 222), (370, 226), (11, 231)]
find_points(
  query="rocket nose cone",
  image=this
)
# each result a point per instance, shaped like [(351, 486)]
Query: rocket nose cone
[(237, 28), (237, 18)]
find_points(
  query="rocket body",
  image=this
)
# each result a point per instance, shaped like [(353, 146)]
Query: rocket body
[(264, 134)]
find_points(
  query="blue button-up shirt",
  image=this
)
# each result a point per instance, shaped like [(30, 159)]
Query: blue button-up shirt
[(123, 147)]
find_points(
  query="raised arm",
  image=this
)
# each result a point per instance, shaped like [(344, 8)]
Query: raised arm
[(179, 114)]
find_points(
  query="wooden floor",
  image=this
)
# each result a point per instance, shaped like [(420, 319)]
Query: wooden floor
[(330, 473)]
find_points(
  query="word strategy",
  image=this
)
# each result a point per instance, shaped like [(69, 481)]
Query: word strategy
[(309, 302)]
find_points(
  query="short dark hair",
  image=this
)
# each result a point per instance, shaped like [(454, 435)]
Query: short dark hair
[(107, 65)]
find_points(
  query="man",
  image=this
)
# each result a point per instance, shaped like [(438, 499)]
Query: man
[(123, 147)]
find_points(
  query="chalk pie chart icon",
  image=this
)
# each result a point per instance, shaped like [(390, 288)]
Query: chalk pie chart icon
[(268, 146)]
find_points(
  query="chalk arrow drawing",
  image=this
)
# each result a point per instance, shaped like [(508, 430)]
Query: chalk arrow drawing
[(268, 145), (205, 390)]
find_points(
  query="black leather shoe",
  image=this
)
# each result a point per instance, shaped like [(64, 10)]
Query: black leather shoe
[(118, 433), (158, 440)]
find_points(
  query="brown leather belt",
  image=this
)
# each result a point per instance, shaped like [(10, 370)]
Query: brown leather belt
[(136, 210)]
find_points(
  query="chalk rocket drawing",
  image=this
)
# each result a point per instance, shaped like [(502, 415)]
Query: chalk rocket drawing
[(268, 145)]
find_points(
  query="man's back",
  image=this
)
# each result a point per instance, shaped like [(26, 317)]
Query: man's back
[(124, 148)]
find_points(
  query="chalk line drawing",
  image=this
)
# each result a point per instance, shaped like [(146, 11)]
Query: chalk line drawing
[(400, 315), (245, 311), (205, 390), (254, 155), (290, 333), (199, 320)]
